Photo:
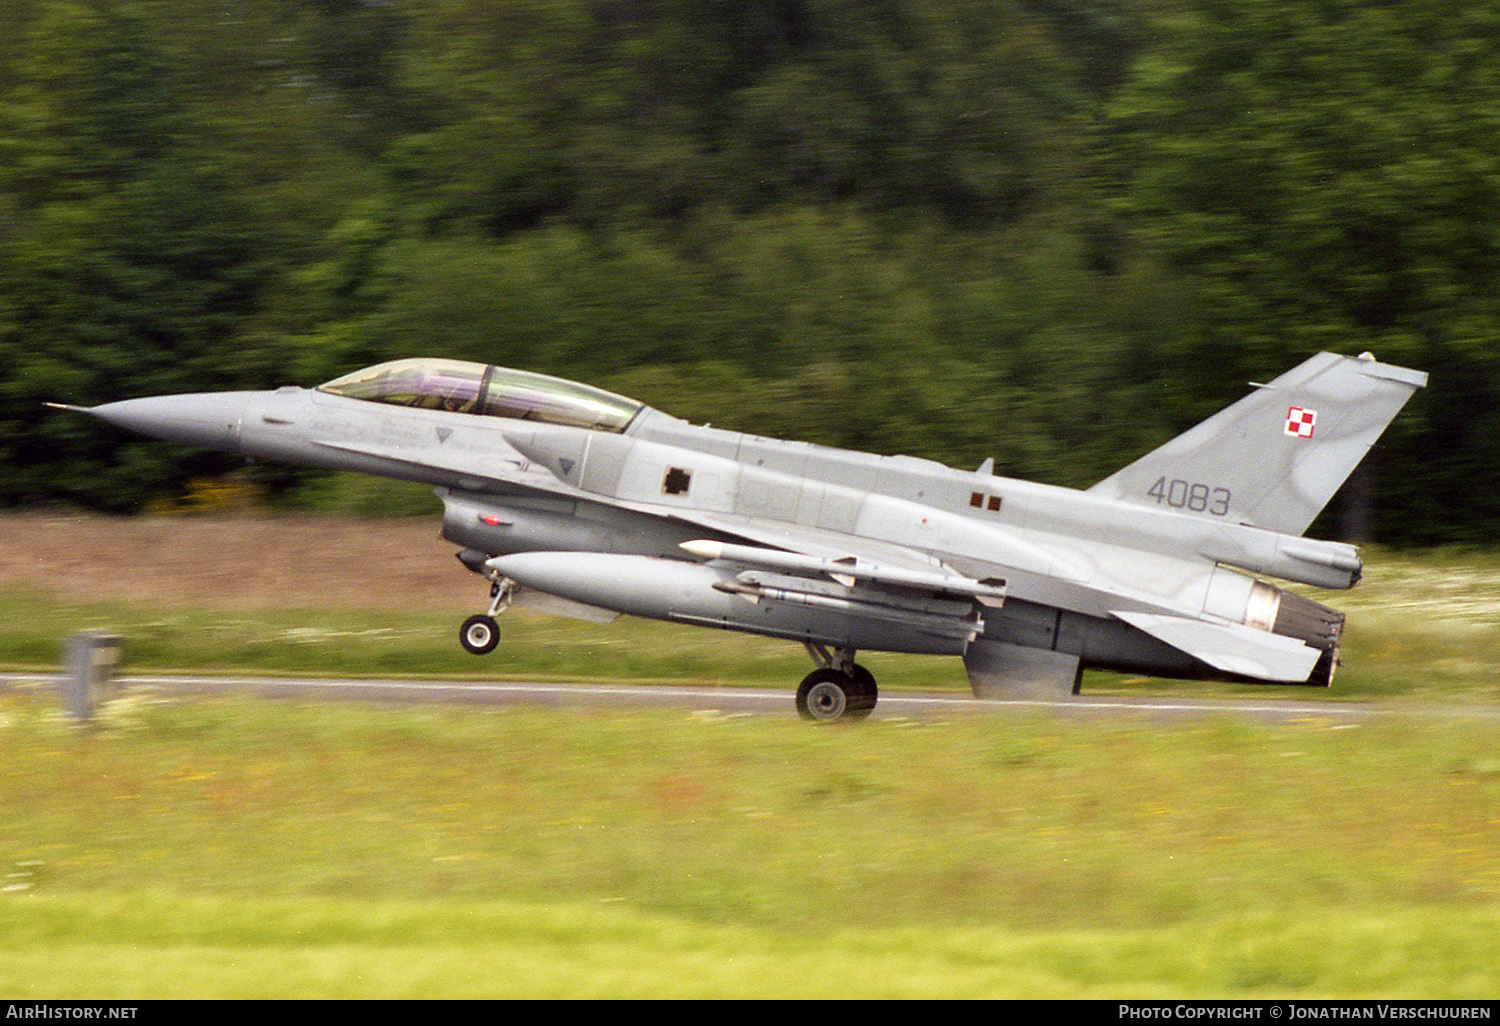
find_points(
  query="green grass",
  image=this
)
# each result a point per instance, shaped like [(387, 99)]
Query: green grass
[(223, 847), (372, 643), (1422, 629), (164, 946)]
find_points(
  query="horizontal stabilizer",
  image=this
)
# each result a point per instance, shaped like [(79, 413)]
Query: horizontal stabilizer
[(1232, 648)]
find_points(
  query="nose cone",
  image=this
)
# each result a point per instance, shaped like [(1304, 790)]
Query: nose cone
[(209, 419)]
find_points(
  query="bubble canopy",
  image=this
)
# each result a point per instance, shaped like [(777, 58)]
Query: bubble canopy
[(463, 387)]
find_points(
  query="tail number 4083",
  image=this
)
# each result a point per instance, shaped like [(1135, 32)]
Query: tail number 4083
[(1192, 496)]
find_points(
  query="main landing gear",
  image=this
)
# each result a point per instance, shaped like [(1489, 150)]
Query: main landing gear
[(839, 689), (480, 634)]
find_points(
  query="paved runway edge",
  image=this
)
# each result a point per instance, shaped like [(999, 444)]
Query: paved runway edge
[(772, 701)]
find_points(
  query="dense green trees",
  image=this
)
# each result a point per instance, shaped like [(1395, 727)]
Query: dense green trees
[(1050, 231), (1328, 175), (132, 261)]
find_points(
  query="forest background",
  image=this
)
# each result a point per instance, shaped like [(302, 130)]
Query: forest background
[(1055, 232)]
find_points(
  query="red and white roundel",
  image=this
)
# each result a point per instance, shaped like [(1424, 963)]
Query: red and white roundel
[(1300, 422)]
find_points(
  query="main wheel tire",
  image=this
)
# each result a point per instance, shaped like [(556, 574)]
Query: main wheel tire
[(867, 693), (827, 695), (479, 634)]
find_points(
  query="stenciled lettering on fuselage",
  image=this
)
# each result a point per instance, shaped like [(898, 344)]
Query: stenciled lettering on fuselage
[(1193, 496)]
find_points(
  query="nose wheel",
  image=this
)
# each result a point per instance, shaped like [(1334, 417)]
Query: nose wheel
[(480, 634), (840, 689)]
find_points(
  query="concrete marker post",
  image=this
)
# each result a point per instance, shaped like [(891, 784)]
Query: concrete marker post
[(92, 658)]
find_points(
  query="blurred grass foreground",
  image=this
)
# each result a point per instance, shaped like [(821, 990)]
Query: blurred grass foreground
[(242, 848)]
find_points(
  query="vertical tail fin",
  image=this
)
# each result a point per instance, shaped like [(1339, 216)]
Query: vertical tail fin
[(1275, 458)]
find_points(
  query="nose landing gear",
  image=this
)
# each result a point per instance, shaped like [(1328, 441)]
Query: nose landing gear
[(481, 633)]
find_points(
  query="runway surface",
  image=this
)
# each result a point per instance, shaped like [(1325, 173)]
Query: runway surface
[(760, 701)]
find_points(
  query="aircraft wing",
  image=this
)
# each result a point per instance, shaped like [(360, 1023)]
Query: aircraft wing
[(1231, 647), (813, 567), (808, 541), (518, 475), (780, 561), (848, 559)]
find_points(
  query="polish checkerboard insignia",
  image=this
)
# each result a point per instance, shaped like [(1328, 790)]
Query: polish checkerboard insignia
[(1300, 422)]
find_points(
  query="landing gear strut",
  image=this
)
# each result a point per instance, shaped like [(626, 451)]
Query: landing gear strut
[(839, 689), (480, 634)]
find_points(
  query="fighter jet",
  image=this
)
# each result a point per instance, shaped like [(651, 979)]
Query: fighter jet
[(581, 502)]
